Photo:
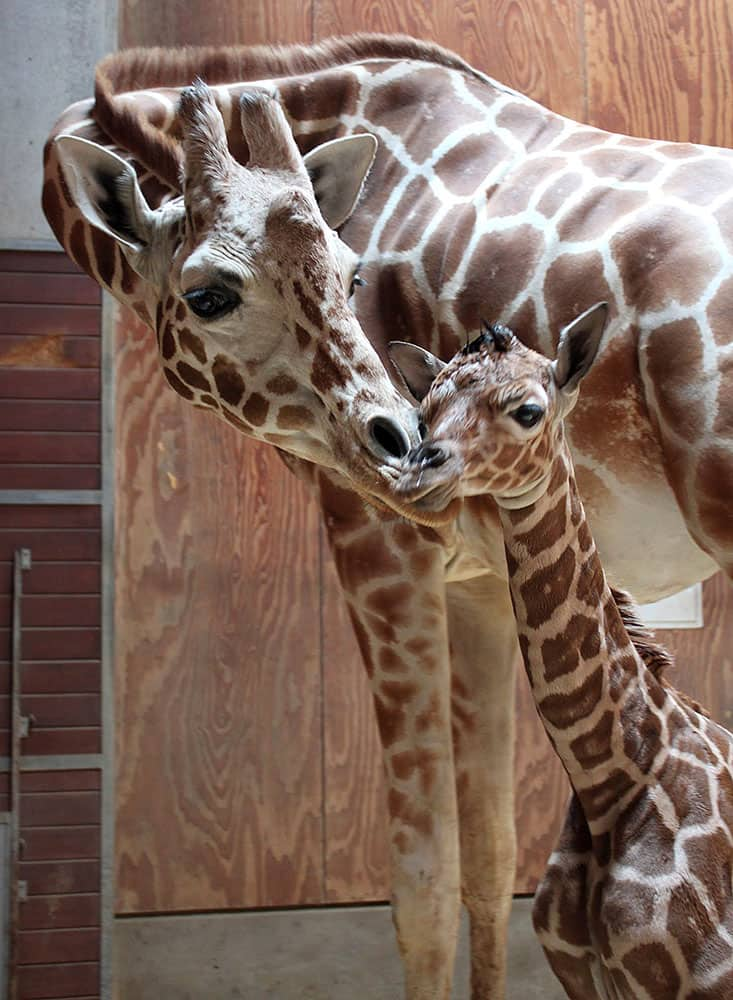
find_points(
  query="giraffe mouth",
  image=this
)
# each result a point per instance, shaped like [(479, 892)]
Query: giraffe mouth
[(434, 506), (422, 490)]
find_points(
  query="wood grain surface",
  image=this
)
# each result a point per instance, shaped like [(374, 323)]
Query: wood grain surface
[(249, 767), (533, 46), (218, 658), (661, 69)]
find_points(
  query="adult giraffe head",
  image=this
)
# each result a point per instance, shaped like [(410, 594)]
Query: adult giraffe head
[(249, 284), (491, 418)]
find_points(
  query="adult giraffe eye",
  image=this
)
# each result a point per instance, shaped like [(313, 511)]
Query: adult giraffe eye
[(211, 303), (356, 281), (528, 415)]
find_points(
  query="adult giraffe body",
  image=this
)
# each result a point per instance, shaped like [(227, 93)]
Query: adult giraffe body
[(479, 203)]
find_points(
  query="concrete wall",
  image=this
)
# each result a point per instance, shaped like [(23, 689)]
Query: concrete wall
[(48, 49)]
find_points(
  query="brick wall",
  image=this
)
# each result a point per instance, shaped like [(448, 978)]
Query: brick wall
[(50, 319)]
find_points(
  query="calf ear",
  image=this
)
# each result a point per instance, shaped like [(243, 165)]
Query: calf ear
[(417, 367), (104, 188), (337, 170), (578, 346)]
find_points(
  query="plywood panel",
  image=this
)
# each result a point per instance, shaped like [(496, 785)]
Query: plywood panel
[(532, 46), (661, 68), (218, 659), (217, 22), (218, 613)]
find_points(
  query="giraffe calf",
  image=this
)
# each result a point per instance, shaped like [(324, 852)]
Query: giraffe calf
[(637, 899)]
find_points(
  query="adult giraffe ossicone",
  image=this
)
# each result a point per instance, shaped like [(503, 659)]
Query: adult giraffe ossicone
[(479, 203), (637, 899)]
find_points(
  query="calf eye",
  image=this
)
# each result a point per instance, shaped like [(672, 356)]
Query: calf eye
[(211, 303), (528, 415)]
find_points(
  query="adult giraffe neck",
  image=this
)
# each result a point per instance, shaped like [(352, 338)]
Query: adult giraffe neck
[(601, 707)]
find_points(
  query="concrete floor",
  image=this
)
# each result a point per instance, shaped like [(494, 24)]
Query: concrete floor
[(338, 953)]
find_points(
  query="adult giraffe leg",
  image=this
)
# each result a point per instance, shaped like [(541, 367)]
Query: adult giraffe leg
[(392, 575), (484, 655)]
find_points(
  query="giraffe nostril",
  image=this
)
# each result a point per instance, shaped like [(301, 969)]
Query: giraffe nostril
[(388, 438), (430, 455)]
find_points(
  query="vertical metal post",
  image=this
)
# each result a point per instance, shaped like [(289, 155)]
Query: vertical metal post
[(18, 730)]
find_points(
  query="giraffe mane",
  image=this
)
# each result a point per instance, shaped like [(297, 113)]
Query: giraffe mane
[(143, 68), (657, 659)]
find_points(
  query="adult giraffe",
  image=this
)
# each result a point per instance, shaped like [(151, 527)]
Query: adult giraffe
[(480, 203)]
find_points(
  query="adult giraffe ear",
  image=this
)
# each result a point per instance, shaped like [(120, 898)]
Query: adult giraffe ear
[(417, 367), (337, 170), (104, 188), (578, 346)]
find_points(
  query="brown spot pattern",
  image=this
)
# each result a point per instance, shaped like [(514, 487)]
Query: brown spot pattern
[(406, 225), (565, 710), (328, 370), (256, 409), (560, 654), (594, 748), (192, 376), (176, 384), (229, 382), (500, 267), (193, 344), (598, 210), (675, 366), (167, 342), (366, 558), (661, 255), (547, 589), (652, 967), (294, 418), (467, 163), (282, 385)]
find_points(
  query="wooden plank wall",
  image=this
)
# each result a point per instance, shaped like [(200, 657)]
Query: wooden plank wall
[(50, 320), (196, 738)]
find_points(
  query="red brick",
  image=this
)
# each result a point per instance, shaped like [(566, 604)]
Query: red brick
[(50, 320), (44, 947), (49, 448), (51, 477), (38, 912), (53, 781), (62, 808), (63, 578), (54, 545), (51, 516), (42, 742), (58, 878), (55, 289), (47, 383), (45, 611), (43, 982), (50, 415), (62, 677), (60, 843), (53, 261), (57, 643), (51, 711)]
